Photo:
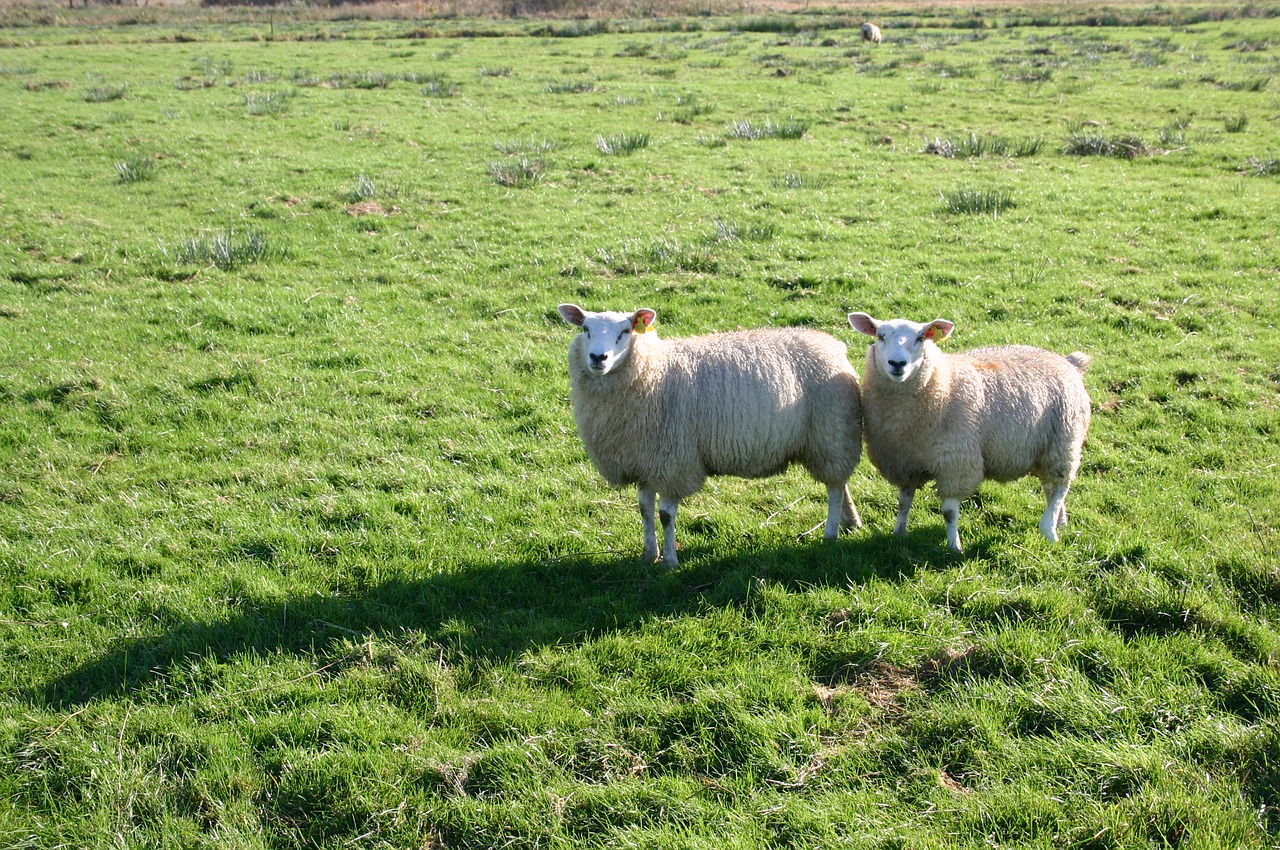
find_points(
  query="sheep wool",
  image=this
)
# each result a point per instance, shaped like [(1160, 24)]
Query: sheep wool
[(996, 413), (664, 414)]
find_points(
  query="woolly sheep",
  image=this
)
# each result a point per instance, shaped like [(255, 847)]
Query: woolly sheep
[(992, 413), (871, 32), (664, 414)]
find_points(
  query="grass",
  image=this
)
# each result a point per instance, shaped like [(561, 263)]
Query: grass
[(974, 145), (299, 546), (982, 201), (226, 250), (768, 129), (133, 169), (517, 174), (621, 144), (1088, 142)]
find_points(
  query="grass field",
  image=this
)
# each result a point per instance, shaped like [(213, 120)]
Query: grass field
[(298, 544)]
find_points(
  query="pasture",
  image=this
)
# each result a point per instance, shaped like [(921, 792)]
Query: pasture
[(299, 546)]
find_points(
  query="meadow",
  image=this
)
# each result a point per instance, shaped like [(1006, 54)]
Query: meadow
[(298, 543)]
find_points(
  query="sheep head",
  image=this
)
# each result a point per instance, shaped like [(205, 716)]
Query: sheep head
[(608, 335), (901, 345)]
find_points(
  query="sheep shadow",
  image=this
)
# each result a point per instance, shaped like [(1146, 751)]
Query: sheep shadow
[(481, 611)]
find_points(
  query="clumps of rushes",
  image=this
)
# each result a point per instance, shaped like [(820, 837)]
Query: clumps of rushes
[(769, 129), (1235, 123), (622, 144), (1259, 167), (363, 190), (661, 256), (570, 87), (732, 231), (434, 85), (1085, 141), (519, 173), (226, 250), (978, 201), (103, 94), (1253, 84), (135, 169), (974, 145), (268, 103), (525, 147), (796, 180)]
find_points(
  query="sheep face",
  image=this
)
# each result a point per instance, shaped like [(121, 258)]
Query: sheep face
[(608, 335), (900, 344)]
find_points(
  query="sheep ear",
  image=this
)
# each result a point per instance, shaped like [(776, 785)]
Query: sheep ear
[(863, 323), (572, 314), (938, 330), (641, 319)]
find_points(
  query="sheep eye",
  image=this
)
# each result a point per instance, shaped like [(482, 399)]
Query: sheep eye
[(880, 337)]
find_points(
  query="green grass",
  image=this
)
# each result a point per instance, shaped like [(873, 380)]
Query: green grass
[(621, 144), (299, 546)]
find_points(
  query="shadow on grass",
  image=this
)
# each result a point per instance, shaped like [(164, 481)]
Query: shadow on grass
[(485, 611)]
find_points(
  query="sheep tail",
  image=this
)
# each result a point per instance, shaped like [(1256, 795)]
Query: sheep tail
[(1080, 360)]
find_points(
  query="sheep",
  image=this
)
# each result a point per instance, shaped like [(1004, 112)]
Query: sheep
[(871, 32), (664, 414), (992, 413)]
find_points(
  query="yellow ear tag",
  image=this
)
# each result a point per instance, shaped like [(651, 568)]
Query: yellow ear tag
[(640, 327)]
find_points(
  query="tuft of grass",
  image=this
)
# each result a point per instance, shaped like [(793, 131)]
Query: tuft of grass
[(363, 190), (226, 250), (660, 256), (570, 87), (1089, 142), (728, 232), (518, 174), (691, 111), (1262, 166), (1236, 123), (974, 145), (1253, 84), (134, 169), (769, 129), (525, 147), (622, 144), (268, 103), (978, 201), (441, 88), (795, 180), (103, 94)]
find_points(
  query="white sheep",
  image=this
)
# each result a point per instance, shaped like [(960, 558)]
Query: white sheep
[(992, 413), (664, 414), (871, 32)]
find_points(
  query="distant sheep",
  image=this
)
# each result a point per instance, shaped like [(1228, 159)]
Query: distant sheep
[(993, 413), (871, 32), (665, 414)]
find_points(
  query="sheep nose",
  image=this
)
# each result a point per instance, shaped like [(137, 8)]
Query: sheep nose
[(897, 365), (598, 359)]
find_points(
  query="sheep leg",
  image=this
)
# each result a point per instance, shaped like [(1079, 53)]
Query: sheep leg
[(849, 516), (647, 500), (1055, 514), (667, 513), (951, 516), (906, 495), (840, 512)]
